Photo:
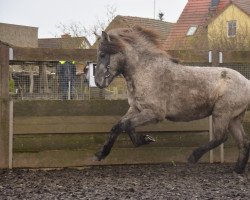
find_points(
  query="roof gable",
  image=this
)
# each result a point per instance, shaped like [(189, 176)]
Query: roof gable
[(244, 5), (63, 43), (195, 13), (162, 28)]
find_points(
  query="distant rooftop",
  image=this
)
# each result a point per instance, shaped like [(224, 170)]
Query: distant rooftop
[(196, 13), (65, 42), (161, 27)]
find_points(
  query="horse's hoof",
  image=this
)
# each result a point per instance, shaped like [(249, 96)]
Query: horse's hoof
[(148, 139), (192, 160), (97, 156), (243, 178)]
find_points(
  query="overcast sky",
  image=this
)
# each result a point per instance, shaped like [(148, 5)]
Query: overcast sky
[(46, 14)]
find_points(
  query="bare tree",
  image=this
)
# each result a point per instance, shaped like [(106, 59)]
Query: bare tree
[(77, 29), (74, 28), (101, 24)]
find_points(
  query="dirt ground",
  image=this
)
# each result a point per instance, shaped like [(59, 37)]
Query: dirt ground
[(164, 181)]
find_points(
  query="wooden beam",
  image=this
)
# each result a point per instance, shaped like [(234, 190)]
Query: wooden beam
[(241, 57), (189, 56), (4, 106), (47, 54)]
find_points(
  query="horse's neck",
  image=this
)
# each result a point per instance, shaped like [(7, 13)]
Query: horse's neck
[(145, 66), (142, 61)]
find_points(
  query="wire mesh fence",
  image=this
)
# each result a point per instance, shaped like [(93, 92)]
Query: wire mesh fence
[(56, 81)]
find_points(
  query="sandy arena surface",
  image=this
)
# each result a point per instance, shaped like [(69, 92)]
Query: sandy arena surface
[(163, 181)]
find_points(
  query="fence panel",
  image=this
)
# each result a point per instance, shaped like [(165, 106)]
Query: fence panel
[(52, 81)]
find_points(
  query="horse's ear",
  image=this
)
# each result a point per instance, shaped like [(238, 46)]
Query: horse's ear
[(105, 36), (98, 37)]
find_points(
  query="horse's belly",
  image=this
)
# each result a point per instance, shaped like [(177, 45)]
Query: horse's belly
[(189, 115)]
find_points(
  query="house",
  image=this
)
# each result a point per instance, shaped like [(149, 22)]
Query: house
[(65, 42), (230, 29), (19, 35), (161, 27), (193, 23)]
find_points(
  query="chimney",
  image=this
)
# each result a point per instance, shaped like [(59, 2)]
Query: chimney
[(66, 35), (215, 3), (213, 7)]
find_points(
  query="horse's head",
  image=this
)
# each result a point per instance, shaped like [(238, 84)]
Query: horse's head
[(110, 60)]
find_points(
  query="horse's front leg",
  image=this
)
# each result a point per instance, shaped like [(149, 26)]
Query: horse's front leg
[(128, 124), (115, 131)]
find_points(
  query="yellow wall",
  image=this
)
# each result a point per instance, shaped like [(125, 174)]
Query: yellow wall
[(217, 30)]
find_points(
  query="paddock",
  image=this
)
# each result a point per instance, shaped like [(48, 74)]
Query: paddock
[(40, 132), (64, 135)]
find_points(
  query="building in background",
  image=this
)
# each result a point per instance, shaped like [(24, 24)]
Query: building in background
[(19, 35), (190, 31), (65, 42), (230, 29), (162, 28)]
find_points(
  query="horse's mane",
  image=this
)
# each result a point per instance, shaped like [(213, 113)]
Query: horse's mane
[(128, 35), (119, 38), (149, 35)]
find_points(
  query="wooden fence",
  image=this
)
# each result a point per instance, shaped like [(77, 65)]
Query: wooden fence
[(4, 106), (60, 134), (68, 133)]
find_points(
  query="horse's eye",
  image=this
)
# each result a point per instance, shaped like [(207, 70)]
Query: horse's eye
[(102, 55)]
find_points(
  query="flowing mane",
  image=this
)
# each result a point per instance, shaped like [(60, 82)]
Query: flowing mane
[(119, 37)]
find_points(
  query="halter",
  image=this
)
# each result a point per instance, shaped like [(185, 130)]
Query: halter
[(107, 73)]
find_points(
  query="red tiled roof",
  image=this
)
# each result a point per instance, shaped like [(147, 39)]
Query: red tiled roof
[(195, 13), (243, 5)]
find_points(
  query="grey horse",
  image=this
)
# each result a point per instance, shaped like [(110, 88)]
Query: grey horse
[(159, 88)]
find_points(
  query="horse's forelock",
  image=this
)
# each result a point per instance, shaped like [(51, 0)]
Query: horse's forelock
[(111, 47)]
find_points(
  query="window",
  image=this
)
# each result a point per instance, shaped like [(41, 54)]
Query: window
[(231, 28), (191, 30)]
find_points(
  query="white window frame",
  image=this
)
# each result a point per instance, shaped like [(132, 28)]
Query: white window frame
[(230, 36), (191, 30)]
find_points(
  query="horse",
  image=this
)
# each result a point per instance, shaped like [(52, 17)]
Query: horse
[(160, 88)]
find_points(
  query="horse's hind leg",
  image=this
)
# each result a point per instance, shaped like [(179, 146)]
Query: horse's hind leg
[(236, 128), (220, 130)]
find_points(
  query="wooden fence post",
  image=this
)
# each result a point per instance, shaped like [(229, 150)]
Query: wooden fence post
[(216, 60), (4, 106), (211, 152)]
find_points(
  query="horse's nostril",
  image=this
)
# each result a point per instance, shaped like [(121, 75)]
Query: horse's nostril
[(108, 75), (98, 85)]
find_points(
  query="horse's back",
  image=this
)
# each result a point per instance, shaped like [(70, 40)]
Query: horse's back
[(198, 91)]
